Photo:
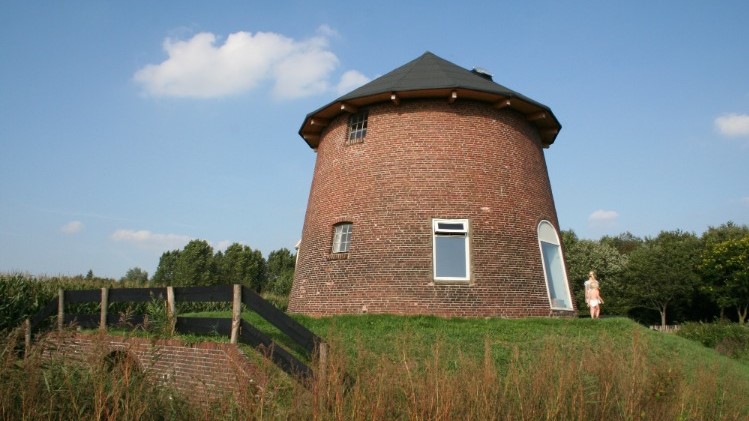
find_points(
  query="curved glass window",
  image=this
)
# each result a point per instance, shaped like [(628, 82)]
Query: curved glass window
[(553, 263)]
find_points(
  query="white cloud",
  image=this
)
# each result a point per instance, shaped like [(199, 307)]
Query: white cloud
[(160, 242), (203, 67), (733, 125), (603, 219), (222, 245), (603, 215), (327, 31), (150, 240), (303, 73), (350, 81), (72, 227)]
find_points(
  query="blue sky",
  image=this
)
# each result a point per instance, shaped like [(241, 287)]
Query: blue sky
[(129, 128)]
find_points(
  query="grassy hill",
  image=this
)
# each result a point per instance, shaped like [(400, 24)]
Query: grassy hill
[(384, 367), (392, 367)]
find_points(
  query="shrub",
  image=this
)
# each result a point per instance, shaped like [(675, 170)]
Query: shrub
[(730, 339), (21, 296), (280, 301)]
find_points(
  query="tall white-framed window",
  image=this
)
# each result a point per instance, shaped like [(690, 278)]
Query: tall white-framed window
[(342, 237), (553, 263), (451, 254)]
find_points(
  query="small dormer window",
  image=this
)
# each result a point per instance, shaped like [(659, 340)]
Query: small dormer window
[(357, 127)]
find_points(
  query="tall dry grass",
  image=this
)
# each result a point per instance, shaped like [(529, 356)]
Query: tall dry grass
[(41, 386), (553, 378), (553, 382)]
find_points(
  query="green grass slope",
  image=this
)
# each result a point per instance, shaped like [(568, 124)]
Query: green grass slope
[(395, 367)]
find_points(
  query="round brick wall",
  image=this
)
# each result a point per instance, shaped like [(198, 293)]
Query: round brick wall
[(420, 160)]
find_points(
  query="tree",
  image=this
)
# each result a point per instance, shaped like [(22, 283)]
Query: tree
[(241, 265), (726, 266), (165, 270), (135, 276), (724, 232), (194, 265), (713, 285), (568, 238), (662, 271), (582, 256), (281, 265), (625, 243)]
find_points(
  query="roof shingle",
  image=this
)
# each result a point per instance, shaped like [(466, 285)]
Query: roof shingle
[(432, 76)]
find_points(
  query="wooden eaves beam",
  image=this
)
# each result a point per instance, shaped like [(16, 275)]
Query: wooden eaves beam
[(503, 104), (536, 116), (311, 137), (348, 108), (549, 133)]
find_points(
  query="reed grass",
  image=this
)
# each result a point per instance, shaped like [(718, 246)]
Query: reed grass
[(413, 368)]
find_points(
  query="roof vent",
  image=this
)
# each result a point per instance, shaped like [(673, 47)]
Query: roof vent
[(482, 72)]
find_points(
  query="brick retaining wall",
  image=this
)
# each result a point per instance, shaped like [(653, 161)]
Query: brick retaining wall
[(206, 369)]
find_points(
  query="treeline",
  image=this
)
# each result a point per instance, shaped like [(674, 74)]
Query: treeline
[(672, 278), (668, 279), (22, 295), (198, 265)]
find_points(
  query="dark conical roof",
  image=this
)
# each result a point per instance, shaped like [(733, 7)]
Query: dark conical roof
[(428, 72), (430, 76)]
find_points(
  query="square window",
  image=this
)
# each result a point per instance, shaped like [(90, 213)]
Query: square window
[(451, 252), (342, 237), (357, 127)]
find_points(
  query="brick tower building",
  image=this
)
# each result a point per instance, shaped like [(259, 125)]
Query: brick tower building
[(431, 196)]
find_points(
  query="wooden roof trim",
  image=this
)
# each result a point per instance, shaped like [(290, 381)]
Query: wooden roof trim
[(536, 116), (349, 108), (542, 118), (504, 103)]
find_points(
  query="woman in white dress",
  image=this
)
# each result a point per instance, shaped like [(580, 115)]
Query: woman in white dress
[(595, 301)]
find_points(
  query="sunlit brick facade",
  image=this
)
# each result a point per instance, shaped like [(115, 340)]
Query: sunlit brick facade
[(444, 198)]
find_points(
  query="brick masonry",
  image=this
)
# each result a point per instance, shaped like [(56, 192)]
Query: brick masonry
[(200, 370), (420, 160)]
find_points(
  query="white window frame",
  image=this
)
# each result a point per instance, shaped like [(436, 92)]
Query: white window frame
[(463, 232), (342, 237), (548, 234), (357, 127)]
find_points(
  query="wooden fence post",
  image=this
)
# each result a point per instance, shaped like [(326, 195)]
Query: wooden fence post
[(60, 309), (27, 338), (236, 313), (171, 309), (104, 308), (322, 356)]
